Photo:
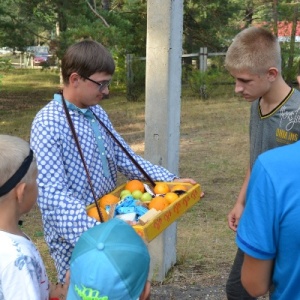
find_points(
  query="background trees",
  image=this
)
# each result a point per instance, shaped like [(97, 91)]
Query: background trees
[(121, 24)]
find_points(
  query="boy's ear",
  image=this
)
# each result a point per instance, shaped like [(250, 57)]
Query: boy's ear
[(20, 191), (74, 78), (272, 74), (145, 295)]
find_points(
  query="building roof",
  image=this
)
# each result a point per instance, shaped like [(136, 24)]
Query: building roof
[(285, 31)]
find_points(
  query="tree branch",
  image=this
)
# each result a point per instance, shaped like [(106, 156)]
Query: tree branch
[(96, 13)]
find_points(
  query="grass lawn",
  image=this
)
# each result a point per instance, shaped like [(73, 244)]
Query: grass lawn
[(213, 151)]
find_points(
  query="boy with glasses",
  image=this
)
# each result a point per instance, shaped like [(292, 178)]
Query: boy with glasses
[(77, 158)]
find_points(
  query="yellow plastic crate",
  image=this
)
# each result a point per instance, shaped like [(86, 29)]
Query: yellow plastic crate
[(170, 214)]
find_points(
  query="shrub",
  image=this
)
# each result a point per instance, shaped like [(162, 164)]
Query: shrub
[(5, 63)]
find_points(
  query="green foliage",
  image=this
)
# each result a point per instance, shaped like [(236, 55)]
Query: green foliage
[(136, 80), (126, 32), (206, 24), (119, 78), (121, 26), (5, 64), (209, 84), (290, 73)]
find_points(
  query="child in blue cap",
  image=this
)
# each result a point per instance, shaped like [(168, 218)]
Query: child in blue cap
[(110, 261)]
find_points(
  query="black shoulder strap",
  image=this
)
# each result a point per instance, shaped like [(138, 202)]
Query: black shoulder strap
[(126, 151), (82, 157)]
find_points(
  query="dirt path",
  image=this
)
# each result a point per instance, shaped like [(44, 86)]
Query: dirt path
[(195, 292)]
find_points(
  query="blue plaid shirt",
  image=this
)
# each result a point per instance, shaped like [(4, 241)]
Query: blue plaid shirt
[(64, 191)]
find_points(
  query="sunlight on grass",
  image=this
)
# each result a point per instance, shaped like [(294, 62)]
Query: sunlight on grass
[(26, 79)]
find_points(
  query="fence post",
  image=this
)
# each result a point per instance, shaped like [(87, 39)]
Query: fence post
[(203, 59), (202, 69)]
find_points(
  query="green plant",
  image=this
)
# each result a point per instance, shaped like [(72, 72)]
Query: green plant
[(5, 64), (210, 83), (136, 80)]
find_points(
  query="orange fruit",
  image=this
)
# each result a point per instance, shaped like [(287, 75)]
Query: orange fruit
[(93, 213), (171, 197), (108, 199), (161, 188), (179, 187), (134, 185), (159, 203)]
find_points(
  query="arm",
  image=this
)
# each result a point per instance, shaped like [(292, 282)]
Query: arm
[(59, 290), (187, 180), (59, 199), (128, 168), (63, 192), (258, 233), (256, 275), (237, 210)]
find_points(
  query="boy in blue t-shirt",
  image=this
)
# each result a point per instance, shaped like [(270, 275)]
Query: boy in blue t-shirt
[(268, 232)]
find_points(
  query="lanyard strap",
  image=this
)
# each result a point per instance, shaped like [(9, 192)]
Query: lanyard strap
[(82, 157), (126, 151), (139, 167)]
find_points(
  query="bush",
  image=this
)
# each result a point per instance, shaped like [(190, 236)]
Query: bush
[(210, 83), (5, 63), (136, 80)]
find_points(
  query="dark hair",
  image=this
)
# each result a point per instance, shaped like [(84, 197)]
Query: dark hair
[(86, 58)]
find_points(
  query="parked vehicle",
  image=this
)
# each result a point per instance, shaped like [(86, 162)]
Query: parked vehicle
[(5, 50), (40, 58)]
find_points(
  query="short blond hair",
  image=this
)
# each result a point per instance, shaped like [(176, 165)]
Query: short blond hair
[(255, 50), (13, 151)]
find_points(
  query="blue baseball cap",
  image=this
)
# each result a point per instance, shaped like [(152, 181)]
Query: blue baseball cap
[(110, 261)]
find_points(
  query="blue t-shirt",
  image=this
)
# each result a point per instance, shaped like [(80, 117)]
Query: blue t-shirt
[(269, 227)]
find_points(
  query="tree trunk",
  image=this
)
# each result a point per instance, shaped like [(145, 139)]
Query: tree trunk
[(290, 78), (248, 13), (275, 17), (106, 4)]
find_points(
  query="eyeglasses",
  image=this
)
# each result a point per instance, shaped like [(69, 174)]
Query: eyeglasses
[(101, 85)]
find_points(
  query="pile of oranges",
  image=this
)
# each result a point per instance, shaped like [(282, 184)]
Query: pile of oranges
[(165, 195), (93, 213), (134, 185), (108, 199)]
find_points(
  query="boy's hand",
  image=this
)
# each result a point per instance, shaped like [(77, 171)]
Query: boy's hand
[(59, 290), (188, 180), (234, 216)]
